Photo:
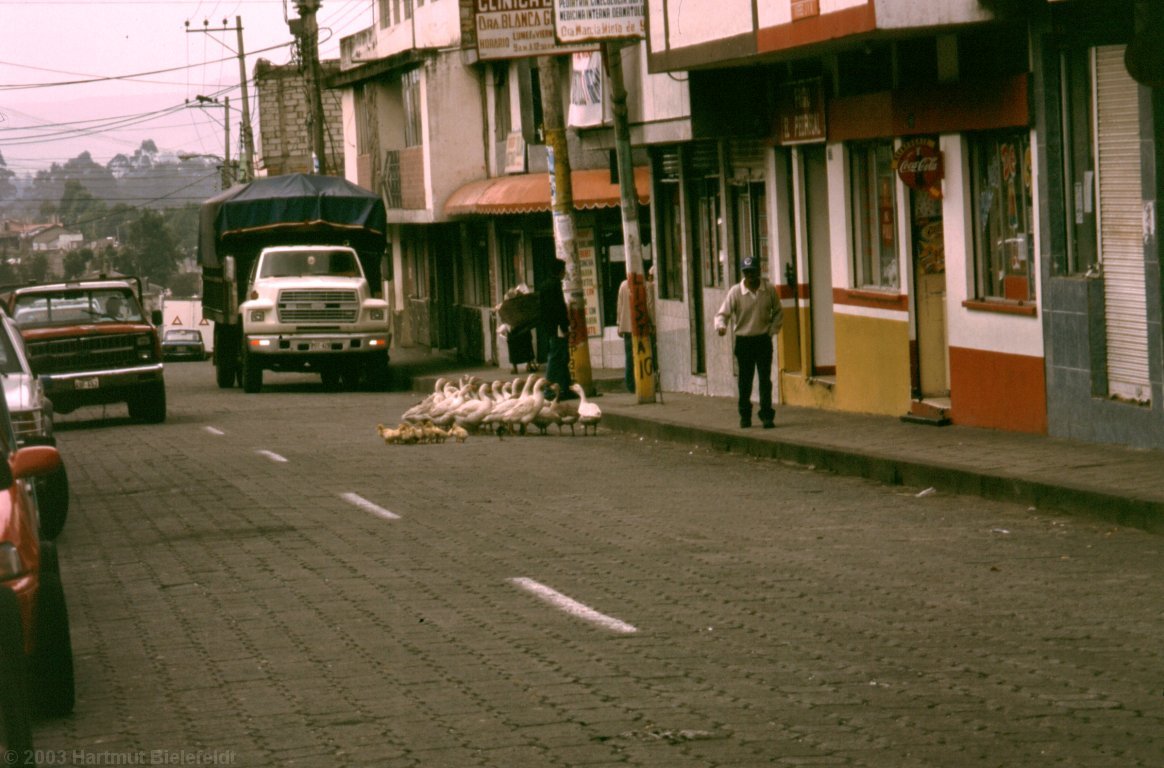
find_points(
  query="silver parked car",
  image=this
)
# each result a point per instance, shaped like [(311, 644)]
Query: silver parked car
[(32, 421)]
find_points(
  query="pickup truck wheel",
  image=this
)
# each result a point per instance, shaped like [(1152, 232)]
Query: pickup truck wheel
[(252, 373), (52, 495), (53, 689), (377, 373), (15, 711), (149, 404)]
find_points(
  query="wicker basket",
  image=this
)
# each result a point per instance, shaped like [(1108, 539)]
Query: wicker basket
[(519, 312)]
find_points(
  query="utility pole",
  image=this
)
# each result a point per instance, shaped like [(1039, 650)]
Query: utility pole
[(641, 325), (306, 29), (562, 203), (224, 169), (248, 139)]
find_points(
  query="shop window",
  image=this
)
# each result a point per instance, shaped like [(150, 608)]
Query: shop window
[(669, 242), (410, 85), (1082, 252), (874, 206), (1000, 177)]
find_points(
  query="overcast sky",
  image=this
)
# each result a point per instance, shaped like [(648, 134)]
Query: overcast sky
[(158, 67)]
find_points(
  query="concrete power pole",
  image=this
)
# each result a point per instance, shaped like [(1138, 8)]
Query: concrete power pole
[(306, 29), (641, 325), (248, 135), (562, 202)]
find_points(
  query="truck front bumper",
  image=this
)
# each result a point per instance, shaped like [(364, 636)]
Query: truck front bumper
[(106, 385), (315, 344)]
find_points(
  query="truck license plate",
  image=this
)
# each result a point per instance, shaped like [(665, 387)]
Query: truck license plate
[(90, 383), (319, 346)]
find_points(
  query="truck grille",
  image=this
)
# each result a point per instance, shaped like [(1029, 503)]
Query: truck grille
[(318, 307), (88, 353)]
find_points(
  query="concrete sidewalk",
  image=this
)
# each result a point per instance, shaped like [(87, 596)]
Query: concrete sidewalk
[(1110, 483)]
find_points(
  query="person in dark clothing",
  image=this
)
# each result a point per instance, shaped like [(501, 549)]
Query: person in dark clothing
[(555, 321)]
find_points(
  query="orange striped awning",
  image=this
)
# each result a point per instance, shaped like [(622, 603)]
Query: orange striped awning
[(530, 193)]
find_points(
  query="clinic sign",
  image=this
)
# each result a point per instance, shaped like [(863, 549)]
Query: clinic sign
[(513, 29), (578, 21)]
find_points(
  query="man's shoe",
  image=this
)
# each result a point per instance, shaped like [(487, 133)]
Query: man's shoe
[(769, 424), (745, 423)]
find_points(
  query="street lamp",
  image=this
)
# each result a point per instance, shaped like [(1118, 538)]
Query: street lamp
[(225, 167)]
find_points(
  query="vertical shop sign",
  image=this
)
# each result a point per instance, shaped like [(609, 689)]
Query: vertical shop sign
[(588, 264)]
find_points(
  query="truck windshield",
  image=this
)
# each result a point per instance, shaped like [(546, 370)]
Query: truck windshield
[(296, 263), (76, 306)]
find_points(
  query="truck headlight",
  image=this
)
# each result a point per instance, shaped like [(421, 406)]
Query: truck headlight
[(376, 314), (145, 347), (258, 315), (11, 565)]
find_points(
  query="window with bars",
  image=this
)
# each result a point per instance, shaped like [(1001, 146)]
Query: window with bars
[(668, 225), (410, 90)]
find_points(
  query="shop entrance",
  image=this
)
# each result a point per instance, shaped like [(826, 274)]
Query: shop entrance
[(931, 373)]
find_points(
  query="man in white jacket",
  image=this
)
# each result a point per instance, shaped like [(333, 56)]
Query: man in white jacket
[(755, 308)]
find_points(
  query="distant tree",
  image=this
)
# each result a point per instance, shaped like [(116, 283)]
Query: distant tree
[(149, 249), (76, 262), (7, 188), (186, 285), (80, 209), (37, 266)]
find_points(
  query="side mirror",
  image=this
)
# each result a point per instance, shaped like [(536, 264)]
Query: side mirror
[(156, 317), (34, 461)]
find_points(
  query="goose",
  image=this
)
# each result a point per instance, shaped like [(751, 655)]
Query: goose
[(589, 414), (549, 413), (474, 410), (419, 412), (498, 418), (528, 406)]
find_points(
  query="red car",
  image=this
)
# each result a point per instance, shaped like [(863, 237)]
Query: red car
[(36, 656)]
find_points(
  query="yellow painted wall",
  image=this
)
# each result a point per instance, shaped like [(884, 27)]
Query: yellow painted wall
[(872, 365)]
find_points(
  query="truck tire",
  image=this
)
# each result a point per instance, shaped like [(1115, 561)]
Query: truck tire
[(149, 403), (15, 709), (225, 358), (252, 373), (52, 496), (51, 664)]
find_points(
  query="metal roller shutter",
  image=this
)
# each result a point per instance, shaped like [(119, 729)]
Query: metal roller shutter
[(1121, 225)]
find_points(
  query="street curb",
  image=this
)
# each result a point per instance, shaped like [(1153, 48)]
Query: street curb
[(1085, 502)]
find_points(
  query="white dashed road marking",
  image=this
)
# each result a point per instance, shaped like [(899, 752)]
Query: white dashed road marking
[(272, 456), (214, 431), (573, 607), (359, 501)]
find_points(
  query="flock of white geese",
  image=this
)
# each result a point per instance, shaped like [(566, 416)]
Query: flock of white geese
[(472, 405)]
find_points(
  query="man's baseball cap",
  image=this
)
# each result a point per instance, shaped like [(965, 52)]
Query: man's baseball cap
[(750, 264)]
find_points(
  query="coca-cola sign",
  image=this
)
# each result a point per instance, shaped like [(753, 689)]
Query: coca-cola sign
[(918, 163)]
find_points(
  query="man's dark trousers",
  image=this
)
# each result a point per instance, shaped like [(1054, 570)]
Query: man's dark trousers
[(754, 354)]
